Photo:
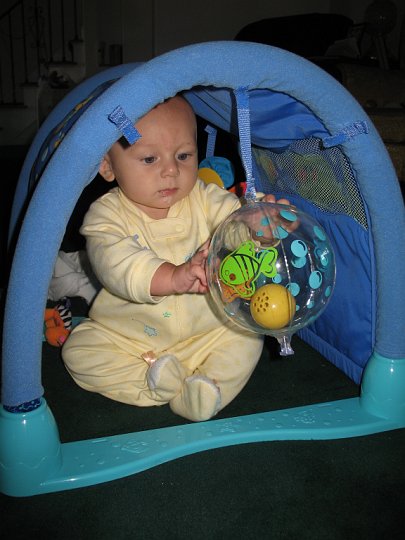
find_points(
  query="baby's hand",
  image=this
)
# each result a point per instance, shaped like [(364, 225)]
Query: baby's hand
[(270, 198), (267, 237), (190, 277)]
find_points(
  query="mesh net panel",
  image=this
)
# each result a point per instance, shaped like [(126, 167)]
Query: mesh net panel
[(320, 175)]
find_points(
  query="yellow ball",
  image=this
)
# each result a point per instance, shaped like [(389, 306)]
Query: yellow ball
[(272, 306)]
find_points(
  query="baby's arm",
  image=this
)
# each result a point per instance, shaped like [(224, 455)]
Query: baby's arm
[(188, 277)]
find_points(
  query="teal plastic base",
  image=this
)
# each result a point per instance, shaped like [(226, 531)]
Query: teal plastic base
[(383, 387), (30, 450), (33, 461)]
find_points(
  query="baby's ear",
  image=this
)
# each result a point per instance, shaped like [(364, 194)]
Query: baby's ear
[(105, 170)]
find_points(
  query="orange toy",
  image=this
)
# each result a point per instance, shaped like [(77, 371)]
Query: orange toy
[(58, 323)]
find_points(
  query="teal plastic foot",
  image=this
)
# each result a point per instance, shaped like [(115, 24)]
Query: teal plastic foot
[(383, 388), (30, 450), (33, 461), (94, 461)]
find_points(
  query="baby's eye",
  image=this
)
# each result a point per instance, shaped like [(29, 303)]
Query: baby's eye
[(149, 160), (183, 156)]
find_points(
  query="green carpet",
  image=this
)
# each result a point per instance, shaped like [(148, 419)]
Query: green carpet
[(343, 489)]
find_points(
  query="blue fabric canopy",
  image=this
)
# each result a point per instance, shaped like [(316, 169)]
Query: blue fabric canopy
[(277, 119)]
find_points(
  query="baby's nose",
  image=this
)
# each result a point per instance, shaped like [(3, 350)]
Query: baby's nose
[(170, 167)]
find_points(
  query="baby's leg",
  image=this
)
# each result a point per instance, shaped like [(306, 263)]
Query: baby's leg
[(104, 362), (222, 363)]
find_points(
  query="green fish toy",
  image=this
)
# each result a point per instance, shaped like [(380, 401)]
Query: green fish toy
[(241, 268)]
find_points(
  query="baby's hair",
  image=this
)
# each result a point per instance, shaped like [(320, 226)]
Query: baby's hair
[(123, 142)]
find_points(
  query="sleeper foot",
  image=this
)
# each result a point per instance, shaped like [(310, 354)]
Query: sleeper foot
[(165, 377), (199, 399)]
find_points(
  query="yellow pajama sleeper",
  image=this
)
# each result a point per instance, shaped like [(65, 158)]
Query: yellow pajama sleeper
[(146, 350)]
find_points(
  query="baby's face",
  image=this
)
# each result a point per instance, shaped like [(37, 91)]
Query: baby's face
[(160, 169)]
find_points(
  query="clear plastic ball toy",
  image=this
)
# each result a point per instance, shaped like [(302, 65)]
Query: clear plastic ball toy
[(271, 269)]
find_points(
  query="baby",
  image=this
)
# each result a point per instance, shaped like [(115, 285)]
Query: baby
[(153, 335)]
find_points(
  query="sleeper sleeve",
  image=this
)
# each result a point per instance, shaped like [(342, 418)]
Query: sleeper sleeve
[(122, 264), (218, 203)]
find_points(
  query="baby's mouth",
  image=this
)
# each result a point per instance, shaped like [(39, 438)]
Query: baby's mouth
[(168, 192)]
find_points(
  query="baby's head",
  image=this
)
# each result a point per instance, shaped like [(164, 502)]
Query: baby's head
[(161, 168)]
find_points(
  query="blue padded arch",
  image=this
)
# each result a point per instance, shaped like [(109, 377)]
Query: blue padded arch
[(70, 101), (331, 111), (222, 65)]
